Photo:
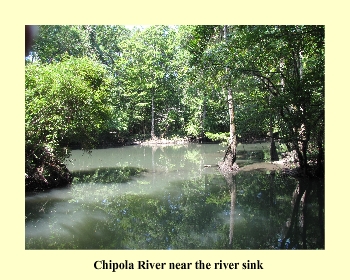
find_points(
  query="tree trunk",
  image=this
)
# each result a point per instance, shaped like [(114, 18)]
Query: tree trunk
[(304, 137), (229, 162), (273, 150), (233, 141), (153, 136), (320, 157), (203, 118)]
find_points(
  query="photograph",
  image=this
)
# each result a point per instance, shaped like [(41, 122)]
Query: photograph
[(174, 137)]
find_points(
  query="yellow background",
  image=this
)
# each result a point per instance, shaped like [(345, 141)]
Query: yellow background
[(17, 262)]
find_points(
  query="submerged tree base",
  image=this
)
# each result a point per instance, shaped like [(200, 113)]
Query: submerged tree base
[(45, 172), (228, 165), (56, 175), (287, 166)]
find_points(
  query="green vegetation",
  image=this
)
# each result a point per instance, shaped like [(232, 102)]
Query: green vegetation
[(88, 85), (188, 214), (221, 137), (66, 103)]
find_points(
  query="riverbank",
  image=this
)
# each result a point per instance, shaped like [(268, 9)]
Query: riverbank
[(163, 142)]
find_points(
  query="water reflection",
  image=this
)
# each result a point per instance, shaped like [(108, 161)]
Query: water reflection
[(165, 198)]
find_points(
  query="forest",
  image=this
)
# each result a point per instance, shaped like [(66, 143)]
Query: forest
[(91, 86)]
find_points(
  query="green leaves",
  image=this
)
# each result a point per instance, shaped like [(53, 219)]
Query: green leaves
[(66, 102), (174, 81)]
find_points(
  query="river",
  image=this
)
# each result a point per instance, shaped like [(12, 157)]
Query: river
[(173, 197)]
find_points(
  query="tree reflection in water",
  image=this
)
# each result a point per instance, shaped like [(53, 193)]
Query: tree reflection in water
[(250, 210), (299, 227)]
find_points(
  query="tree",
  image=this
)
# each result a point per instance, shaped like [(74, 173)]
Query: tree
[(284, 62), (66, 102), (208, 46), (54, 41), (288, 62), (107, 43), (168, 81), (148, 77), (230, 156)]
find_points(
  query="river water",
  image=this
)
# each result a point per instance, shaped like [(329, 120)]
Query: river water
[(173, 197)]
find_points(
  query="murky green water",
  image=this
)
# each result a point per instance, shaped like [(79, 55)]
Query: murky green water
[(141, 197)]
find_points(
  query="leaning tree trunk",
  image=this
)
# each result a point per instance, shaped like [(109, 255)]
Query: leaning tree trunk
[(43, 170)]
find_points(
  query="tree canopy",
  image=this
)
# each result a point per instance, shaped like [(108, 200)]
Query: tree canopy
[(66, 103), (87, 85)]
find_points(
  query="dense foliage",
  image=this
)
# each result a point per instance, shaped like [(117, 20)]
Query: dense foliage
[(107, 84), (66, 103), (280, 72)]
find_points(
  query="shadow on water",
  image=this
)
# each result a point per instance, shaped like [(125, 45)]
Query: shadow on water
[(128, 208), (107, 174)]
